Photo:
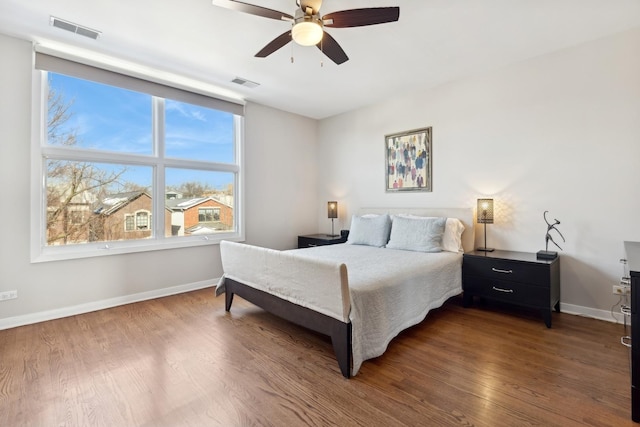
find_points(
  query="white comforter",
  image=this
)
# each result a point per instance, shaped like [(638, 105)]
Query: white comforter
[(390, 290)]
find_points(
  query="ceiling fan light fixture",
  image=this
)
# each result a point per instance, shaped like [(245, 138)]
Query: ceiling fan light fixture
[(307, 33)]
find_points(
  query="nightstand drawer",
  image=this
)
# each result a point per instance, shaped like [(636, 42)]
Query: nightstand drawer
[(319, 240), (501, 269), (512, 292)]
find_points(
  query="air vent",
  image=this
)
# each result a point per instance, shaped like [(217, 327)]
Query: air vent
[(74, 28), (244, 82)]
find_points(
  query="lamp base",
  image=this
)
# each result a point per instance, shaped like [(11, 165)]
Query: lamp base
[(546, 255), (485, 249)]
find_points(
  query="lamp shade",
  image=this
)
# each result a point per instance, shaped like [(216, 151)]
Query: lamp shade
[(485, 211), (307, 33), (332, 210)]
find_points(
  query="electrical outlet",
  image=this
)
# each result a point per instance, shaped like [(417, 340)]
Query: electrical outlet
[(8, 295), (620, 290)]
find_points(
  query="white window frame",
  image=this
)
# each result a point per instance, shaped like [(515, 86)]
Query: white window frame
[(41, 252)]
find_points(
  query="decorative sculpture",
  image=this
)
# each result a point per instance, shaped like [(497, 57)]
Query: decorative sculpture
[(546, 254)]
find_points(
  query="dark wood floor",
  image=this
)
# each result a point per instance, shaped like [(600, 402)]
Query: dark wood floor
[(184, 361)]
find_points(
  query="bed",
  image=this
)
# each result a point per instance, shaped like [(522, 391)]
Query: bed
[(358, 293)]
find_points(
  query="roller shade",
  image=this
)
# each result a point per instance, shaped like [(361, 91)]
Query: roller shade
[(59, 65)]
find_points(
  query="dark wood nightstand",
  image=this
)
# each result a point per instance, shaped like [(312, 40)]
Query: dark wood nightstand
[(311, 240), (514, 277)]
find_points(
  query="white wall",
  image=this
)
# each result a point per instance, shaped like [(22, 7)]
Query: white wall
[(281, 171), (559, 132), (281, 183)]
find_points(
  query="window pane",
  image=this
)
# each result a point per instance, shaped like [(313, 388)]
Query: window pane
[(200, 202), (97, 116), (198, 133), (93, 202), (129, 224)]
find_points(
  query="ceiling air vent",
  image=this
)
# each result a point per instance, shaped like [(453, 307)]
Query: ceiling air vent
[(74, 28), (244, 82)]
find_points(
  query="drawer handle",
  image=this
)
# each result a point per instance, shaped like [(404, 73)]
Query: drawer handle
[(508, 291), (626, 341), (311, 245), (497, 270)]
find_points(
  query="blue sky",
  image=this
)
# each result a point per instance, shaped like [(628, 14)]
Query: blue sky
[(114, 119)]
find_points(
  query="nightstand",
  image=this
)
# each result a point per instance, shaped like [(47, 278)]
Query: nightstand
[(517, 278), (311, 240)]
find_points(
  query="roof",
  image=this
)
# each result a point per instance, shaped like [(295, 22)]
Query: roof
[(113, 202), (184, 204)]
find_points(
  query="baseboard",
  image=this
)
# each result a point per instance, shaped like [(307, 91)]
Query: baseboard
[(615, 317), (43, 316)]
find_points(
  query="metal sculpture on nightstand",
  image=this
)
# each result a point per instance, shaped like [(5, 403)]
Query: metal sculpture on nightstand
[(546, 254)]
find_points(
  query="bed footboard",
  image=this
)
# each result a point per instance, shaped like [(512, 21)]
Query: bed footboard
[(340, 332)]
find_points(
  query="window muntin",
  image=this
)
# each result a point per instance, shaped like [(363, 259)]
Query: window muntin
[(131, 157)]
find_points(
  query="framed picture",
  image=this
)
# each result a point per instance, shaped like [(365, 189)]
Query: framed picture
[(409, 157)]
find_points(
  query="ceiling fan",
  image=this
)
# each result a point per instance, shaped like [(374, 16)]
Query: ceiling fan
[(308, 27)]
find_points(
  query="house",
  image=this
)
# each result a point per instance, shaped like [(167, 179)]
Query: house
[(537, 107), (199, 215), (126, 216)]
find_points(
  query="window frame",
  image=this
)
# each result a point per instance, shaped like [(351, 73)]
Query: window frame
[(40, 152)]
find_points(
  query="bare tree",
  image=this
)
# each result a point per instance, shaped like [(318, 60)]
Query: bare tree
[(73, 187), (194, 189)]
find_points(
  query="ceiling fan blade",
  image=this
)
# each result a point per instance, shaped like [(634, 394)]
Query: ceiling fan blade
[(252, 9), (361, 17), (275, 44), (330, 47)]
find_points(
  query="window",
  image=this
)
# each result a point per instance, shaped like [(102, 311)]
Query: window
[(142, 220), (208, 214), (129, 223), (125, 161)]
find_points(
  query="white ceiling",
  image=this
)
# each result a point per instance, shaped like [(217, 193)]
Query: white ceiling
[(435, 41)]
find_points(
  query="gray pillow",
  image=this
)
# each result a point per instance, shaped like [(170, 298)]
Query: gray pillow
[(417, 234), (369, 230)]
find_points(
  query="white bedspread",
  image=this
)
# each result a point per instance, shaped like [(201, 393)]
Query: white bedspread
[(383, 292), (390, 290)]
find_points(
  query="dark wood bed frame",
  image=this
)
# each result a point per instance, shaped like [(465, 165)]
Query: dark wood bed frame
[(340, 332)]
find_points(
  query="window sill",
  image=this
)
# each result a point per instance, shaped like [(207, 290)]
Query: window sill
[(90, 250)]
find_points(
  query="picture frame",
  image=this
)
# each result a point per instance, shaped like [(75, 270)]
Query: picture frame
[(409, 158)]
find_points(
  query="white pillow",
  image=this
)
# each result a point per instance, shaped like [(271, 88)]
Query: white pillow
[(452, 237), (369, 230), (417, 234)]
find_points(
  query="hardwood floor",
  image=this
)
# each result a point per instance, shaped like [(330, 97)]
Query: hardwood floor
[(184, 361)]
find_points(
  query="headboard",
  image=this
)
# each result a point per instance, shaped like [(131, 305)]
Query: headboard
[(463, 214)]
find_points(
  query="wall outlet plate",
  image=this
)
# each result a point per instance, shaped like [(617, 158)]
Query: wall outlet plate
[(621, 290)]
